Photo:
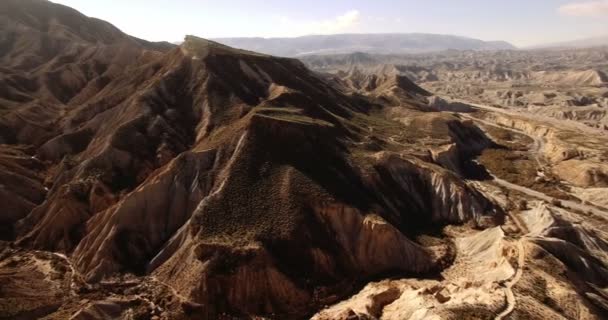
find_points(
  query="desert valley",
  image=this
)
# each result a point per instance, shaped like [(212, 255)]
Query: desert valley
[(343, 177)]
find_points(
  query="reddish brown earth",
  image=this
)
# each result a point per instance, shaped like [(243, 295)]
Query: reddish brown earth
[(143, 180)]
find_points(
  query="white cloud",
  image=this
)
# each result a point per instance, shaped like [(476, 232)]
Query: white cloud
[(587, 8), (342, 23)]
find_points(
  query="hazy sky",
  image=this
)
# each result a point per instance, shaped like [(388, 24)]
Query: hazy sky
[(521, 22)]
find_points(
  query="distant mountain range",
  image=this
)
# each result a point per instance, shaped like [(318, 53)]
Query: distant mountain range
[(369, 43), (579, 43)]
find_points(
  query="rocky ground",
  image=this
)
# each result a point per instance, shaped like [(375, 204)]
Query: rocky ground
[(149, 181)]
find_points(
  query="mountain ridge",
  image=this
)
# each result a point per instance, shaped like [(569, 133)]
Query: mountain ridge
[(582, 43), (372, 43)]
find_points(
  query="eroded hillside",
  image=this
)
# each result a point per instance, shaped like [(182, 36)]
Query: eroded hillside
[(143, 180), (565, 84)]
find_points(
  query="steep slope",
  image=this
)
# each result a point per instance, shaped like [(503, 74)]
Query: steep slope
[(53, 58), (22, 178), (56, 66)]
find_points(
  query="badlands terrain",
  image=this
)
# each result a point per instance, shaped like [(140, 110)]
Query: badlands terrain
[(145, 180), (568, 84)]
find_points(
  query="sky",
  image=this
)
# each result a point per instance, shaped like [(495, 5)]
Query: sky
[(521, 22)]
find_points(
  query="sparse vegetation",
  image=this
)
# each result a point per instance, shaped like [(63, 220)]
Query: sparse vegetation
[(557, 203), (522, 205), (516, 167), (509, 139), (510, 165)]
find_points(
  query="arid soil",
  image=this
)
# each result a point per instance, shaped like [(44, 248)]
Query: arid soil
[(149, 181), (566, 84)]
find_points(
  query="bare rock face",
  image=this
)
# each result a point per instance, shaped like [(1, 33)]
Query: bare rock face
[(578, 249), (21, 186), (33, 283), (483, 256), (110, 308), (55, 57), (453, 201), (384, 82), (372, 243)]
